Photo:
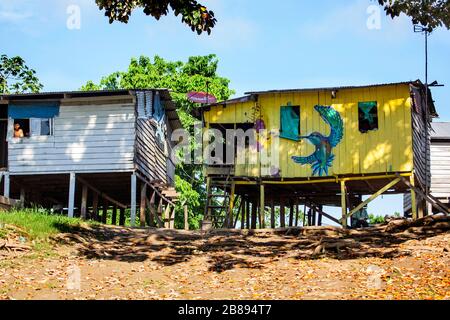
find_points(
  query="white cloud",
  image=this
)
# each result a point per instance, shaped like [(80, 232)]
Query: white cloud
[(13, 17)]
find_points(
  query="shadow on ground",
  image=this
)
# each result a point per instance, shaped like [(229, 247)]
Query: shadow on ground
[(225, 249)]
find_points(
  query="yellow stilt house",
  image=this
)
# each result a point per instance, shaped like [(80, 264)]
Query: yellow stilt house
[(313, 148)]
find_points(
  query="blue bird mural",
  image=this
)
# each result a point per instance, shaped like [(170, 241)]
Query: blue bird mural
[(322, 159)]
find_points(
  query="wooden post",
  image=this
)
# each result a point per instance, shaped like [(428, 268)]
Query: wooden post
[(159, 213), (142, 205), (186, 218), (254, 215), (167, 217), (105, 211), (231, 209), (314, 213), (320, 216), (22, 197), (272, 214), (84, 195), (262, 208), (172, 218), (152, 209), (95, 207), (122, 217), (304, 214), (6, 185), (247, 214), (291, 215), (133, 199), (297, 214), (114, 216), (243, 212), (343, 204), (71, 205), (282, 214)]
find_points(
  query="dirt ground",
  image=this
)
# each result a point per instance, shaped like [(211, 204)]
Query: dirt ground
[(317, 263)]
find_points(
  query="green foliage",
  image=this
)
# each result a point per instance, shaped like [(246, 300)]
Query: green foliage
[(198, 73), (428, 13), (194, 14), (373, 219), (17, 77)]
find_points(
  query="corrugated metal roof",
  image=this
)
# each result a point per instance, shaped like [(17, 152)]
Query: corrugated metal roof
[(441, 130), (331, 88), (56, 95)]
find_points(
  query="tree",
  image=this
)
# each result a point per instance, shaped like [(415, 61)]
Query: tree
[(194, 14), (180, 77), (16, 77), (428, 13)]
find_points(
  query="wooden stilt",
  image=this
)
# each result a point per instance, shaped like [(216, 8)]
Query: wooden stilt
[(297, 214), (95, 207), (114, 216), (254, 215), (304, 214), (282, 214), (247, 214), (344, 204), (84, 195), (230, 212), (133, 199), (243, 212), (142, 204), (22, 196), (172, 218), (167, 217), (272, 213), (262, 207), (71, 205), (105, 211), (291, 215), (122, 217), (186, 218), (320, 216), (152, 209), (159, 213)]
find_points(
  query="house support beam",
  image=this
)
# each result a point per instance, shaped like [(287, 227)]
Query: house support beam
[(84, 196), (344, 204), (142, 205), (71, 206), (262, 207), (374, 196), (133, 199)]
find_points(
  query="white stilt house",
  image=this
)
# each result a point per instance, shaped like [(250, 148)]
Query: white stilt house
[(86, 151)]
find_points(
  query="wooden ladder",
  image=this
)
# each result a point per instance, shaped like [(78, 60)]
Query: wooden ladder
[(218, 201)]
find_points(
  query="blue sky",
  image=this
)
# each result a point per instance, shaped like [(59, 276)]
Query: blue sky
[(293, 44)]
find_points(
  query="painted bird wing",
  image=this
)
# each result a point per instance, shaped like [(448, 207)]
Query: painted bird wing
[(334, 120), (305, 160)]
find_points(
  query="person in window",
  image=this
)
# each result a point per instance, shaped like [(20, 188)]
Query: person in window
[(18, 132)]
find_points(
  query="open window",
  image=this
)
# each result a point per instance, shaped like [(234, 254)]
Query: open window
[(290, 122), (31, 120), (34, 127), (368, 116)]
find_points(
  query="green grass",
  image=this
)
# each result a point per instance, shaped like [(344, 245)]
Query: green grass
[(38, 224)]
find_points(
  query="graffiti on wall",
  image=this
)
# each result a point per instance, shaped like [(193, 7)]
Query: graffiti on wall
[(322, 159)]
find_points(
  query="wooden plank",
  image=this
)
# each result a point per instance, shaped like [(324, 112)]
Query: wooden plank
[(84, 196), (172, 218), (71, 205), (133, 199), (6, 184)]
